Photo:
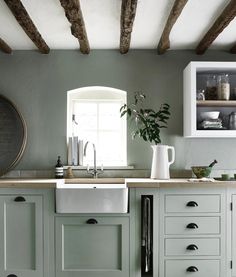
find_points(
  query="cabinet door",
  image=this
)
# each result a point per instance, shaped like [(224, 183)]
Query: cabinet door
[(234, 235), (92, 247), (21, 236)]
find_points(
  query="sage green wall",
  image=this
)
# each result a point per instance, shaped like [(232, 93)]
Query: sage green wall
[(38, 85)]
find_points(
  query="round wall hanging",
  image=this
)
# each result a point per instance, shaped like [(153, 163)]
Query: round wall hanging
[(13, 135)]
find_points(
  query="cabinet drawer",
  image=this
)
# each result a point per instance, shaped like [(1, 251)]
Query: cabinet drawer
[(181, 268), (192, 247), (192, 203), (188, 225)]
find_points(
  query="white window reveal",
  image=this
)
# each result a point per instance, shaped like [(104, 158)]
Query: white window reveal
[(94, 115)]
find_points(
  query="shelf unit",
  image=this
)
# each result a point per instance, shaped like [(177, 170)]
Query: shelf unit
[(194, 75)]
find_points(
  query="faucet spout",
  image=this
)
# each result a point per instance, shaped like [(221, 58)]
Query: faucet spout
[(95, 172)]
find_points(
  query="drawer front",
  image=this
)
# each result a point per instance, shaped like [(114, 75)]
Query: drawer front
[(192, 247), (188, 225), (196, 268), (192, 203)]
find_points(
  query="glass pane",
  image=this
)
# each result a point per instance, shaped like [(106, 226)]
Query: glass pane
[(86, 115), (109, 116), (109, 147)]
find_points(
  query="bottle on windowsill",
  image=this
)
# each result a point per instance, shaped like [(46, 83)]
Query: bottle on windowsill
[(59, 174)]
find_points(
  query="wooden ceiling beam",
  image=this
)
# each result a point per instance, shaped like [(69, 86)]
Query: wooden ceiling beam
[(175, 12), (128, 12), (5, 47), (219, 25), (74, 15), (23, 18)]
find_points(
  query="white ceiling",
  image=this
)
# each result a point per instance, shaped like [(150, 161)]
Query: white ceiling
[(102, 19)]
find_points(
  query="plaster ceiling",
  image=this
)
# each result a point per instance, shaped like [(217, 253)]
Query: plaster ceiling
[(102, 20)]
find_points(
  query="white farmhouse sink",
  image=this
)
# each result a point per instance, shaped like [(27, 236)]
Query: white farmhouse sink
[(91, 198)]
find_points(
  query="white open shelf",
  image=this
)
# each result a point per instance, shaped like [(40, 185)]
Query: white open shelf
[(191, 104)]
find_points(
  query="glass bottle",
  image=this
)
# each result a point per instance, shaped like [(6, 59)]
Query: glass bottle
[(211, 88), (223, 87), (59, 174)]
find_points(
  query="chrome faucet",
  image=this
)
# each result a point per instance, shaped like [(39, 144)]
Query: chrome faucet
[(94, 172)]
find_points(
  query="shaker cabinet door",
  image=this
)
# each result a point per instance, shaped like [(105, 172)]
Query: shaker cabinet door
[(21, 236), (92, 246)]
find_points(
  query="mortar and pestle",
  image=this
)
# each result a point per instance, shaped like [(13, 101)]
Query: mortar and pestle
[(203, 171)]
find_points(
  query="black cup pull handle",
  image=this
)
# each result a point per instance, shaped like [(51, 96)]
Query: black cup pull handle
[(192, 204), (192, 226), (92, 221), (192, 269), (19, 199), (11, 275), (192, 247)]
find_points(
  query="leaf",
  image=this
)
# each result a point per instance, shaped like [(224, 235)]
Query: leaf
[(123, 113), (148, 122), (123, 107)]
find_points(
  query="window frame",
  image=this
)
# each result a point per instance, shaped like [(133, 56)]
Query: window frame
[(92, 94)]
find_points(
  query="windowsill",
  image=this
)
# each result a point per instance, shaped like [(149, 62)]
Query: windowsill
[(105, 167)]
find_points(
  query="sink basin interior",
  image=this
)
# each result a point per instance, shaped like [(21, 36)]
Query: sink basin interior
[(91, 198)]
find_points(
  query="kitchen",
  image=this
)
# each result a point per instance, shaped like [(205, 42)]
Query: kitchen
[(38, 84)]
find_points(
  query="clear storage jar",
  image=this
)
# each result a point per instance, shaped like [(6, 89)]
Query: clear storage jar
[(223, 87), (211, 88)]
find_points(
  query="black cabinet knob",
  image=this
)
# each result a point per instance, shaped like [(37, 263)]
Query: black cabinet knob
[(19, 199), (192, 204), (192, 247), (92, 221), (11, 275), (192, 226), (192, 269)]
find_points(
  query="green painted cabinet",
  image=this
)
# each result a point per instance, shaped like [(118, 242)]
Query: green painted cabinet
[(21, 235), (92, 246)]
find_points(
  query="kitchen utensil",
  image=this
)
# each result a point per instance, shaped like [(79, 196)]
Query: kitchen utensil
[(232, 121), (203, 171), (160, 161)]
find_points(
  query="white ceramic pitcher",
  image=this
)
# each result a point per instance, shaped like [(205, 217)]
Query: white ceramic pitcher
[(160, 161)]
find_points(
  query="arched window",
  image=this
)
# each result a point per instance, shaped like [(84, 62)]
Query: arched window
[(93, 114)]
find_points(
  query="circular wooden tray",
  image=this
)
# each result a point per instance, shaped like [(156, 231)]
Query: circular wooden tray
[(13, 135)]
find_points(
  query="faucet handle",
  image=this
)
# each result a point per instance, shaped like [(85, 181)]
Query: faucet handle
[(100, 171)]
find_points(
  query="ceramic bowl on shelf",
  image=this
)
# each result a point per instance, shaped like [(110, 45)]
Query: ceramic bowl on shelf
[(209, 115)]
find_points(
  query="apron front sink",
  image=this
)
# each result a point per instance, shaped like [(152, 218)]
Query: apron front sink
[(91, 198)]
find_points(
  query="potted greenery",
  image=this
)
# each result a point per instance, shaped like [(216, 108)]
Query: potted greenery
[(148, 125)]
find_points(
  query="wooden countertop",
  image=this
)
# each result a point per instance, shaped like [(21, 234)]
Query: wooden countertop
[(131, 182), (154, 183)]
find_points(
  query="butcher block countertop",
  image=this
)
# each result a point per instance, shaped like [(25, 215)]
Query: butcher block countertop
[(131, 182)]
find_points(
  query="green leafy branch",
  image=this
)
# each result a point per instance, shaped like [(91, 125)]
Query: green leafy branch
[(147, 121)]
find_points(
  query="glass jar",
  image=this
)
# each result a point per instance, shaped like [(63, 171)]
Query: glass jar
[(211, 88), (223, 87)]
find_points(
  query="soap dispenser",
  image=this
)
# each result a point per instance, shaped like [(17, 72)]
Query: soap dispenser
[(59, 174)]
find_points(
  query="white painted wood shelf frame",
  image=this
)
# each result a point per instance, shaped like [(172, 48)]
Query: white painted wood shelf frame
[(191, 104)]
